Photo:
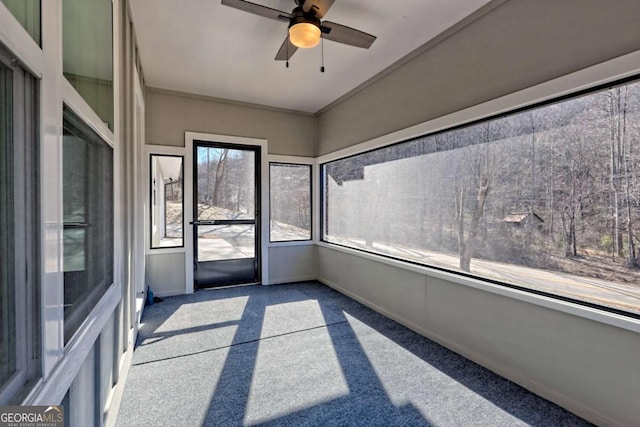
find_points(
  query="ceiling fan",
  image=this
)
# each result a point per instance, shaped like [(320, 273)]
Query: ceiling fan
[(305, 26)]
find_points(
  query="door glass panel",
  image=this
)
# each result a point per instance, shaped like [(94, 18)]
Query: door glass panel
[(166, 201), (226, 183)]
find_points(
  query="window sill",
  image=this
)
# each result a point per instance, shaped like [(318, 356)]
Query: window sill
[(291, 243)]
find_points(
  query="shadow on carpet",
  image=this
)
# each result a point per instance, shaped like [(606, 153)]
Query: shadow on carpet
[(304, 354)]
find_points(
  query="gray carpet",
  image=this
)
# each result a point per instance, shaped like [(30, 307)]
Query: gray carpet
[(303, 354)]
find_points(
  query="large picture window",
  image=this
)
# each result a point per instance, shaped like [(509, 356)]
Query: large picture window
[(88, 220), (19, 232), (290, 204), (546, 199)]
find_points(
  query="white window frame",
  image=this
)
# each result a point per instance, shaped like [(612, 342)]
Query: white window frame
[(298, 160), (162, 150), (25, 229)]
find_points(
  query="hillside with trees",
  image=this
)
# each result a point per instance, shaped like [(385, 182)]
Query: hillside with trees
[(556, 187)]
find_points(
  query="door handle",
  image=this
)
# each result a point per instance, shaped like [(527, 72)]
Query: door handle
[(225, 222)]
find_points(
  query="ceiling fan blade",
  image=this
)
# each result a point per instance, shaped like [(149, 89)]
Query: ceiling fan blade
[(321, 6), (285, 53), (257, 9), (347, 35)]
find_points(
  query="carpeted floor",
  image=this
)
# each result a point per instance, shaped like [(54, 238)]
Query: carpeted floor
[(303, 354)]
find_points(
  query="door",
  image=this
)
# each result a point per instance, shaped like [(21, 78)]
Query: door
[(226, 226)]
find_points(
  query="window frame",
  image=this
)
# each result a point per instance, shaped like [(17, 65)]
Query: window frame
[(25, 234), (151, 199), (315, 206), (78, 317), (310, 166), (407, 136), (145, 191)]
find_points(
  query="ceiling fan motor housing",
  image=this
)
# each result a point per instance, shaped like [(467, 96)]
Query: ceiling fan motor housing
[(299, 16)]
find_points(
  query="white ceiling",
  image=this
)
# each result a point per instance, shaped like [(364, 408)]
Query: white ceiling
[(205, 48)]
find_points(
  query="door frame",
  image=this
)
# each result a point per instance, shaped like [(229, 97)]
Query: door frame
[(189, 138), (255, 222)]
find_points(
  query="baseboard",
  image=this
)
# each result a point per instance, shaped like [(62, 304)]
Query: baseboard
[(163, 294), (292, 280), (505, 372)]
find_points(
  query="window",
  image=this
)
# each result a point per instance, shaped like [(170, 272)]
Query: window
[(290, 204), (27, 12), (19, 232), (167, 201), (87, 182), (545, 199), (87, 33)]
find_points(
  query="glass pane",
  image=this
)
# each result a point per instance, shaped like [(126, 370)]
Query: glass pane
[(547, 199), (88, 220), (7, 287), (27, 12), (220, 242), (88, 53), (226, 184), (290, 205), (166, 201)]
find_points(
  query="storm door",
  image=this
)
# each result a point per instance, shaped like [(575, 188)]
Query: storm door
[(226, 201)]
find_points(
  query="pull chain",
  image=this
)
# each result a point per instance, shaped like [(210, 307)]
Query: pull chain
[(322, 52)]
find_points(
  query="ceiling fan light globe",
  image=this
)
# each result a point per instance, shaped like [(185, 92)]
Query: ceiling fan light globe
[(304, 35)]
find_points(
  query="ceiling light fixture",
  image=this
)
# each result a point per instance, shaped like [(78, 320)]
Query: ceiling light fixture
[(304, 35)]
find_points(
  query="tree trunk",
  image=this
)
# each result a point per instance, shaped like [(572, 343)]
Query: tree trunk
[(207, 194), (617, 232), (632, 261), (551, 196), (631, 246), (572, 227), (460, 195), (472, 239), (220, 172), (617, 108)]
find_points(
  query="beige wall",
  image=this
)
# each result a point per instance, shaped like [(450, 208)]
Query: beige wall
[(170, 114), (514, 46), (292, 263), (165, 273)]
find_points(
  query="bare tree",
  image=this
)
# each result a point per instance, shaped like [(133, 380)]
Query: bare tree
[(480, 164), (221, 168), (468, 246), (613, 103)]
